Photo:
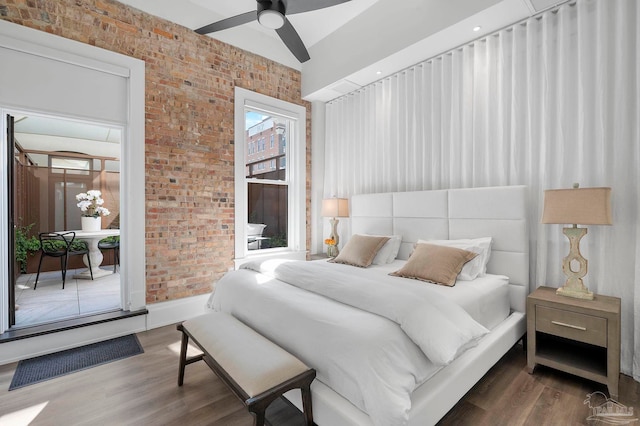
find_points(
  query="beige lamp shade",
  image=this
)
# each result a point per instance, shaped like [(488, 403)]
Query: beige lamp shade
[(335, 207), (584, 206)]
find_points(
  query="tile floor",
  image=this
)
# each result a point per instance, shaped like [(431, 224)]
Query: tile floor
[(49, 302)]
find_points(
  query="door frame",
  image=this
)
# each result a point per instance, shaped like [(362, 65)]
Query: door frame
[(18, 38), (11, 220)]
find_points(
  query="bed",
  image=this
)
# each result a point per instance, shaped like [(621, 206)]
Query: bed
[(377, 365)]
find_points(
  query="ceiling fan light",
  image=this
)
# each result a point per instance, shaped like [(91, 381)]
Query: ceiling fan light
[(271, 19)]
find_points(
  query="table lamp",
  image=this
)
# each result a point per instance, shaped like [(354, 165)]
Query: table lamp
[(335, 207), (585, 206)]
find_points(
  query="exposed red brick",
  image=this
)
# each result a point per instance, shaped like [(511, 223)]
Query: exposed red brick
[(190, 81), (163, 33)]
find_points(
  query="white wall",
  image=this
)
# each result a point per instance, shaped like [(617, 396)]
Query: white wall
[(54, 75)]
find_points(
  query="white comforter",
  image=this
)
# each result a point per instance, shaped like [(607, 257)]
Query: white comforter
[(366, 336)]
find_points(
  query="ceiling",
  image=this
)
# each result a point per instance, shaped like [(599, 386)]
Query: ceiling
[(51, 134), (358, 42), (311, 26)]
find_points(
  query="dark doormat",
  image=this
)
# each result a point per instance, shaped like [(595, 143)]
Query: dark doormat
[(45, 367)]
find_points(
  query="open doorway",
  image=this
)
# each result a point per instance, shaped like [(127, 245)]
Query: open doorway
[(55, 159)]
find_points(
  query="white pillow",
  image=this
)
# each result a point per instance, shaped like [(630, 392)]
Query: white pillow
[(389, 250), (485, 243), (476, 267), (360, 250)]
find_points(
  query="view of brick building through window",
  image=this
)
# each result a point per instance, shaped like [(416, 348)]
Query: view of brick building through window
[(267, 184), (266, 150)]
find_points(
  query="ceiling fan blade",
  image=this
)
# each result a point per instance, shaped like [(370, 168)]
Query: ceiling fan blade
[(292, 40), (301, 6), (234, 21)]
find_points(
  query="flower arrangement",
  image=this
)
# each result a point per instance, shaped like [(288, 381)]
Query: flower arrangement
[(332, 249), (90, 204)]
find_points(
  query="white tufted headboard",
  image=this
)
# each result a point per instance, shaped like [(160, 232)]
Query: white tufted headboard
[(498, 212)]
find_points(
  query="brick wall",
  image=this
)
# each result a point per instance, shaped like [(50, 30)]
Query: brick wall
[(189, 152)]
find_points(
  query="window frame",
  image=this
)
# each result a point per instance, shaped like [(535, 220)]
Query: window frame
[(296, 176)]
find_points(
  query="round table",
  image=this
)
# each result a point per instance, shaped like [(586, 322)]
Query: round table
[(95, 254)]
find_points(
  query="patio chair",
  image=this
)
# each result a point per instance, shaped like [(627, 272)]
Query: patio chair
[(61, 245), (112, 243), (254, 235)]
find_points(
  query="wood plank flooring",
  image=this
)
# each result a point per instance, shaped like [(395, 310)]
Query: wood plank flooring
[(142, 390)]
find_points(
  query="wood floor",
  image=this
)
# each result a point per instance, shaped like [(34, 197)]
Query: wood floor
[(142, 390)]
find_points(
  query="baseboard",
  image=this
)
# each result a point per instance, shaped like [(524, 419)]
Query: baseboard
[(48, 343), (174, 311), (160, 314)]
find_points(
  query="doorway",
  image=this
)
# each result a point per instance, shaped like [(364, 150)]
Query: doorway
[(55, 159)]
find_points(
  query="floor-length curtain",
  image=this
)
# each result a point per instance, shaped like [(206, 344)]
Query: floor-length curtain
[(545, 103)]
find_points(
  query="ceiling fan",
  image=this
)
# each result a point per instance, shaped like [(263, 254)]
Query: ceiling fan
[(272, 14)]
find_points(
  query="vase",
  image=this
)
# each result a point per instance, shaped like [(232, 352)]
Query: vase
[(332, 250), (90, 224)]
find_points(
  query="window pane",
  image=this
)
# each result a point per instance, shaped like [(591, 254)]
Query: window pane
[(260, 155), (70, 163), (267, 213), (112, 166)]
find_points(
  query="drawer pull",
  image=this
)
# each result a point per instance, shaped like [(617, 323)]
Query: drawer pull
[(577, 327)]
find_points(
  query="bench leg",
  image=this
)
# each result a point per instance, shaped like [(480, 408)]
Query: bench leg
[(183, 356), (258, 417), (306, 405)]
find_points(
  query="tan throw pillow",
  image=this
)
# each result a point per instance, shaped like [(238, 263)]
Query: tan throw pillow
[(436, 264), (360, 250)]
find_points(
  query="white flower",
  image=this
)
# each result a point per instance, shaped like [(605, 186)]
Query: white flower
[(90, 203)]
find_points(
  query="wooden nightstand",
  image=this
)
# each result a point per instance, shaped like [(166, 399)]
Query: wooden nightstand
[(580, 337), (319, 256)]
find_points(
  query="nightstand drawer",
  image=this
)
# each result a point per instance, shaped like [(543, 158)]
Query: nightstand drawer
[(572, 325)]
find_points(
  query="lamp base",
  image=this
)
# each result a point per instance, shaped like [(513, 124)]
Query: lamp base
[(332, 250), (574, 287), (577, 293), (334, 230)]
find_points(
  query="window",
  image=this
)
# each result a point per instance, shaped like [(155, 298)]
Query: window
[(270, 195), (271, 143), (69, 163)]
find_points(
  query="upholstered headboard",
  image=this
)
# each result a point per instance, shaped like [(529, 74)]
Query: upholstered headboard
[(498, 212)]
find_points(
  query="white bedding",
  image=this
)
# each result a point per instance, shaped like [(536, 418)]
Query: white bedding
[(364, 356), (442, 329), (486, 298)]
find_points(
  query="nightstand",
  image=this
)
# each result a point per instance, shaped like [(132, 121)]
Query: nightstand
[(319, 256), (581, 337)]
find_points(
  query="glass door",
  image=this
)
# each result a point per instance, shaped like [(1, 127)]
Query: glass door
[(55, 159)]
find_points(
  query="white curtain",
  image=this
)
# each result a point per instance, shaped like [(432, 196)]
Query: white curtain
[(546, 103)]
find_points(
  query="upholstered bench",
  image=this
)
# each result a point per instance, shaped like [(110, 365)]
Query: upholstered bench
[(257, 370)]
